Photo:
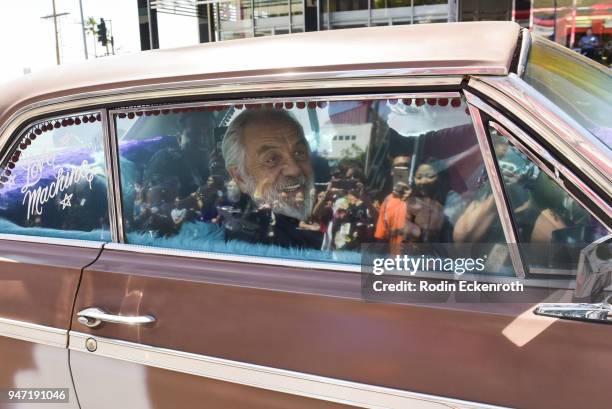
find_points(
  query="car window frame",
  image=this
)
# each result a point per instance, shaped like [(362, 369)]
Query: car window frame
[(576, 147), (21, 130), (121, 243), (220, 101), (529, 146), (533, 146)]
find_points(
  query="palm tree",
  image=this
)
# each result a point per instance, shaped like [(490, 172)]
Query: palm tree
[(91, 28)]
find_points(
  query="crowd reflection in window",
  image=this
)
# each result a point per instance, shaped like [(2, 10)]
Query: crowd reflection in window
[(316, 178)]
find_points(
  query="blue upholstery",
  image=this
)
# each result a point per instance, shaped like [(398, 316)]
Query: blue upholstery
[(210, 238), (7, 227)]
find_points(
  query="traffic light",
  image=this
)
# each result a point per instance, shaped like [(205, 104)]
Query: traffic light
[(102, 36)]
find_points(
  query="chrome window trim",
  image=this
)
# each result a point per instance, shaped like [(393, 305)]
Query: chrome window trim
[(557, 128), (39, 334), (108, 159), (115, 176), (53, 240), (503, 209), (562, 283), (242, 85), (208, 255), (524, 53), (274, 379), (526, 144)]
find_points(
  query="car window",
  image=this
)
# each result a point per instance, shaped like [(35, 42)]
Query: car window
[(552, 227), (577, 85), (310, 180), (54, 180)]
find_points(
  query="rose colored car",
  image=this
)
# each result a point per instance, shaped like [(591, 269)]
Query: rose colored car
[(196, 227)]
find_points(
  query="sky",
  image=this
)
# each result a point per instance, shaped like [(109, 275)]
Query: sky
[(27, 41)]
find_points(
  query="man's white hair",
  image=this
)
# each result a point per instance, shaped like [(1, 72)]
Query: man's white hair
[(232, 147)]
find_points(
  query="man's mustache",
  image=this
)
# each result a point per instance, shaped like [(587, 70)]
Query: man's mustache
[(291, 183)]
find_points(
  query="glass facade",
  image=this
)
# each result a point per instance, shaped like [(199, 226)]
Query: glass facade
[(254, 18), (583, 25), (234, 19), (364, 13)]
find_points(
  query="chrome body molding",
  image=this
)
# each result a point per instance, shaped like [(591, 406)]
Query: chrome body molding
[(38, 334), (527, 145), (53, 240), (279, 380), (430, 77), (559, 130), (503, 208)]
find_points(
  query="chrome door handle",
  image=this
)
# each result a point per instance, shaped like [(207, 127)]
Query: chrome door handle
[(94, 317), (598, 312)]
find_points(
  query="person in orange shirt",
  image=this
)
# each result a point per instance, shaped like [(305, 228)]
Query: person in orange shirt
[(393, 225)]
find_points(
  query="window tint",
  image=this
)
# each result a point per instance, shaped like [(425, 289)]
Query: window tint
[(577, 85), (312, 180), (552, 227), (54, 181)]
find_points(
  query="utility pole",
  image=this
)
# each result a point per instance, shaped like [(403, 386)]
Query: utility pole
[(55, 16), (83, 27), (112, 38)]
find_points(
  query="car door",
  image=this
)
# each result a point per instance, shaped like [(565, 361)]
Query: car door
[(45, 242), (200, 305)]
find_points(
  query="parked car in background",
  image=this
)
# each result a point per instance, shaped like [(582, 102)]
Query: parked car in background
[(189, 227)]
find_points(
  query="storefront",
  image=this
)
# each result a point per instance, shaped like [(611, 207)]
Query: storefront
[(566, 21)]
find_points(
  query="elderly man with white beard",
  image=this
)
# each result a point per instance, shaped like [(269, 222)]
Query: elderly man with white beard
[(267, 155)]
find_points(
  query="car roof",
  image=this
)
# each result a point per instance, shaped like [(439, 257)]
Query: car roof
[(423, 49)]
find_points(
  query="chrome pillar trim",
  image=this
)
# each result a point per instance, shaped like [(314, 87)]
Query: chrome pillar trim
[(242, 85), (545, 167), (53, 240), (138, 249), (279, 380), (38, 334), (115, 177), (503, 208), (314, 98), (108, 160), (527, 145), (524, 53), (559, 130)]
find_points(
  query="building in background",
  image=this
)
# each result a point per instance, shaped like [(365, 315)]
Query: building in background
[(220, 20), (564, 21)]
